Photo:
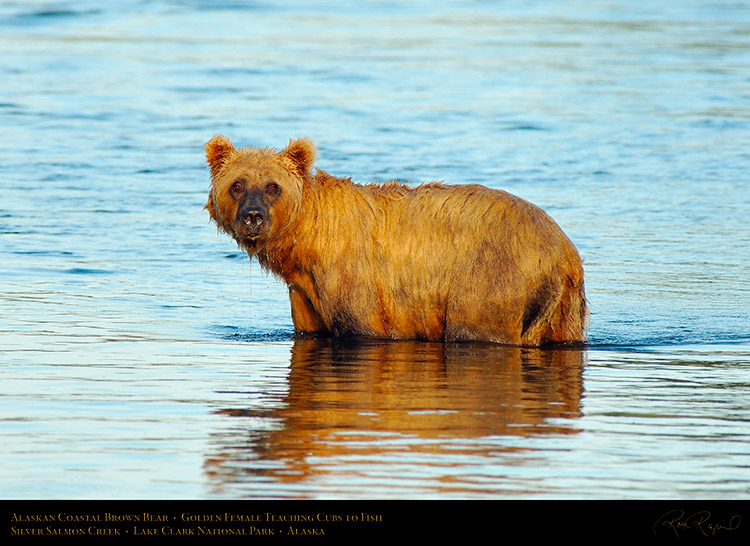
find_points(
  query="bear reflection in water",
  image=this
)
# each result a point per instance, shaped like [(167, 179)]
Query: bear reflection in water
[(357, 400)]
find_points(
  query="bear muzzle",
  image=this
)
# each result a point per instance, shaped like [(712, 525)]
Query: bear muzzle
[(251, 221)]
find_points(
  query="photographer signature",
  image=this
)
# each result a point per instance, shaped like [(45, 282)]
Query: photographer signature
[(700, 522)]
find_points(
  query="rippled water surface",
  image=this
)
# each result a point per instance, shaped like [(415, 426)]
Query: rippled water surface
[(142, 355)]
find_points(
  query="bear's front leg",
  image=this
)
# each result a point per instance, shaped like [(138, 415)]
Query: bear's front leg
[(305, 318)]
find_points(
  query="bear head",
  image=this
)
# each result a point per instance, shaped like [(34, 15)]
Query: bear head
[(256, 192)]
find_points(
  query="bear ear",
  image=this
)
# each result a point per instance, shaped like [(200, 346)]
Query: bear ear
[(218, 151), (302, 153)]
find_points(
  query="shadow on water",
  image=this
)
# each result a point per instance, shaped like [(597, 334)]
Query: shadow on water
[(369, 402)]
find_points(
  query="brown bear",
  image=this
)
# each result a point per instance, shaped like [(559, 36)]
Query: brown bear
[(433, 262)]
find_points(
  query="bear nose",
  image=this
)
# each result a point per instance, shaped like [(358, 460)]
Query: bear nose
[(253, 217)]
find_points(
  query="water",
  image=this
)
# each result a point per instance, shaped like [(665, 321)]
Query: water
[(143, 356)]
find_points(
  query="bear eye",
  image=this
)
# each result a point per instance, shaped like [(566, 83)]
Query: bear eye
[(236, 189), (273, 188)]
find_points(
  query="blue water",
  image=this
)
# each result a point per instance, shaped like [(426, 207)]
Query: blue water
[(142, 355)]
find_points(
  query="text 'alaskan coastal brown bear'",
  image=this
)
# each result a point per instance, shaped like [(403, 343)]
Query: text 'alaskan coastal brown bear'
[(433, 262)]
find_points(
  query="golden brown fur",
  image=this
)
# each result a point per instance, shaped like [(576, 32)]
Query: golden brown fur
[(433, 262)]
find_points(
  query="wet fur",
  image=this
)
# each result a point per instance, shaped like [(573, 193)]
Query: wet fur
[(432, 262)]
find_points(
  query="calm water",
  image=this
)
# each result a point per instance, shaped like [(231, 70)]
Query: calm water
[(143, 356)]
